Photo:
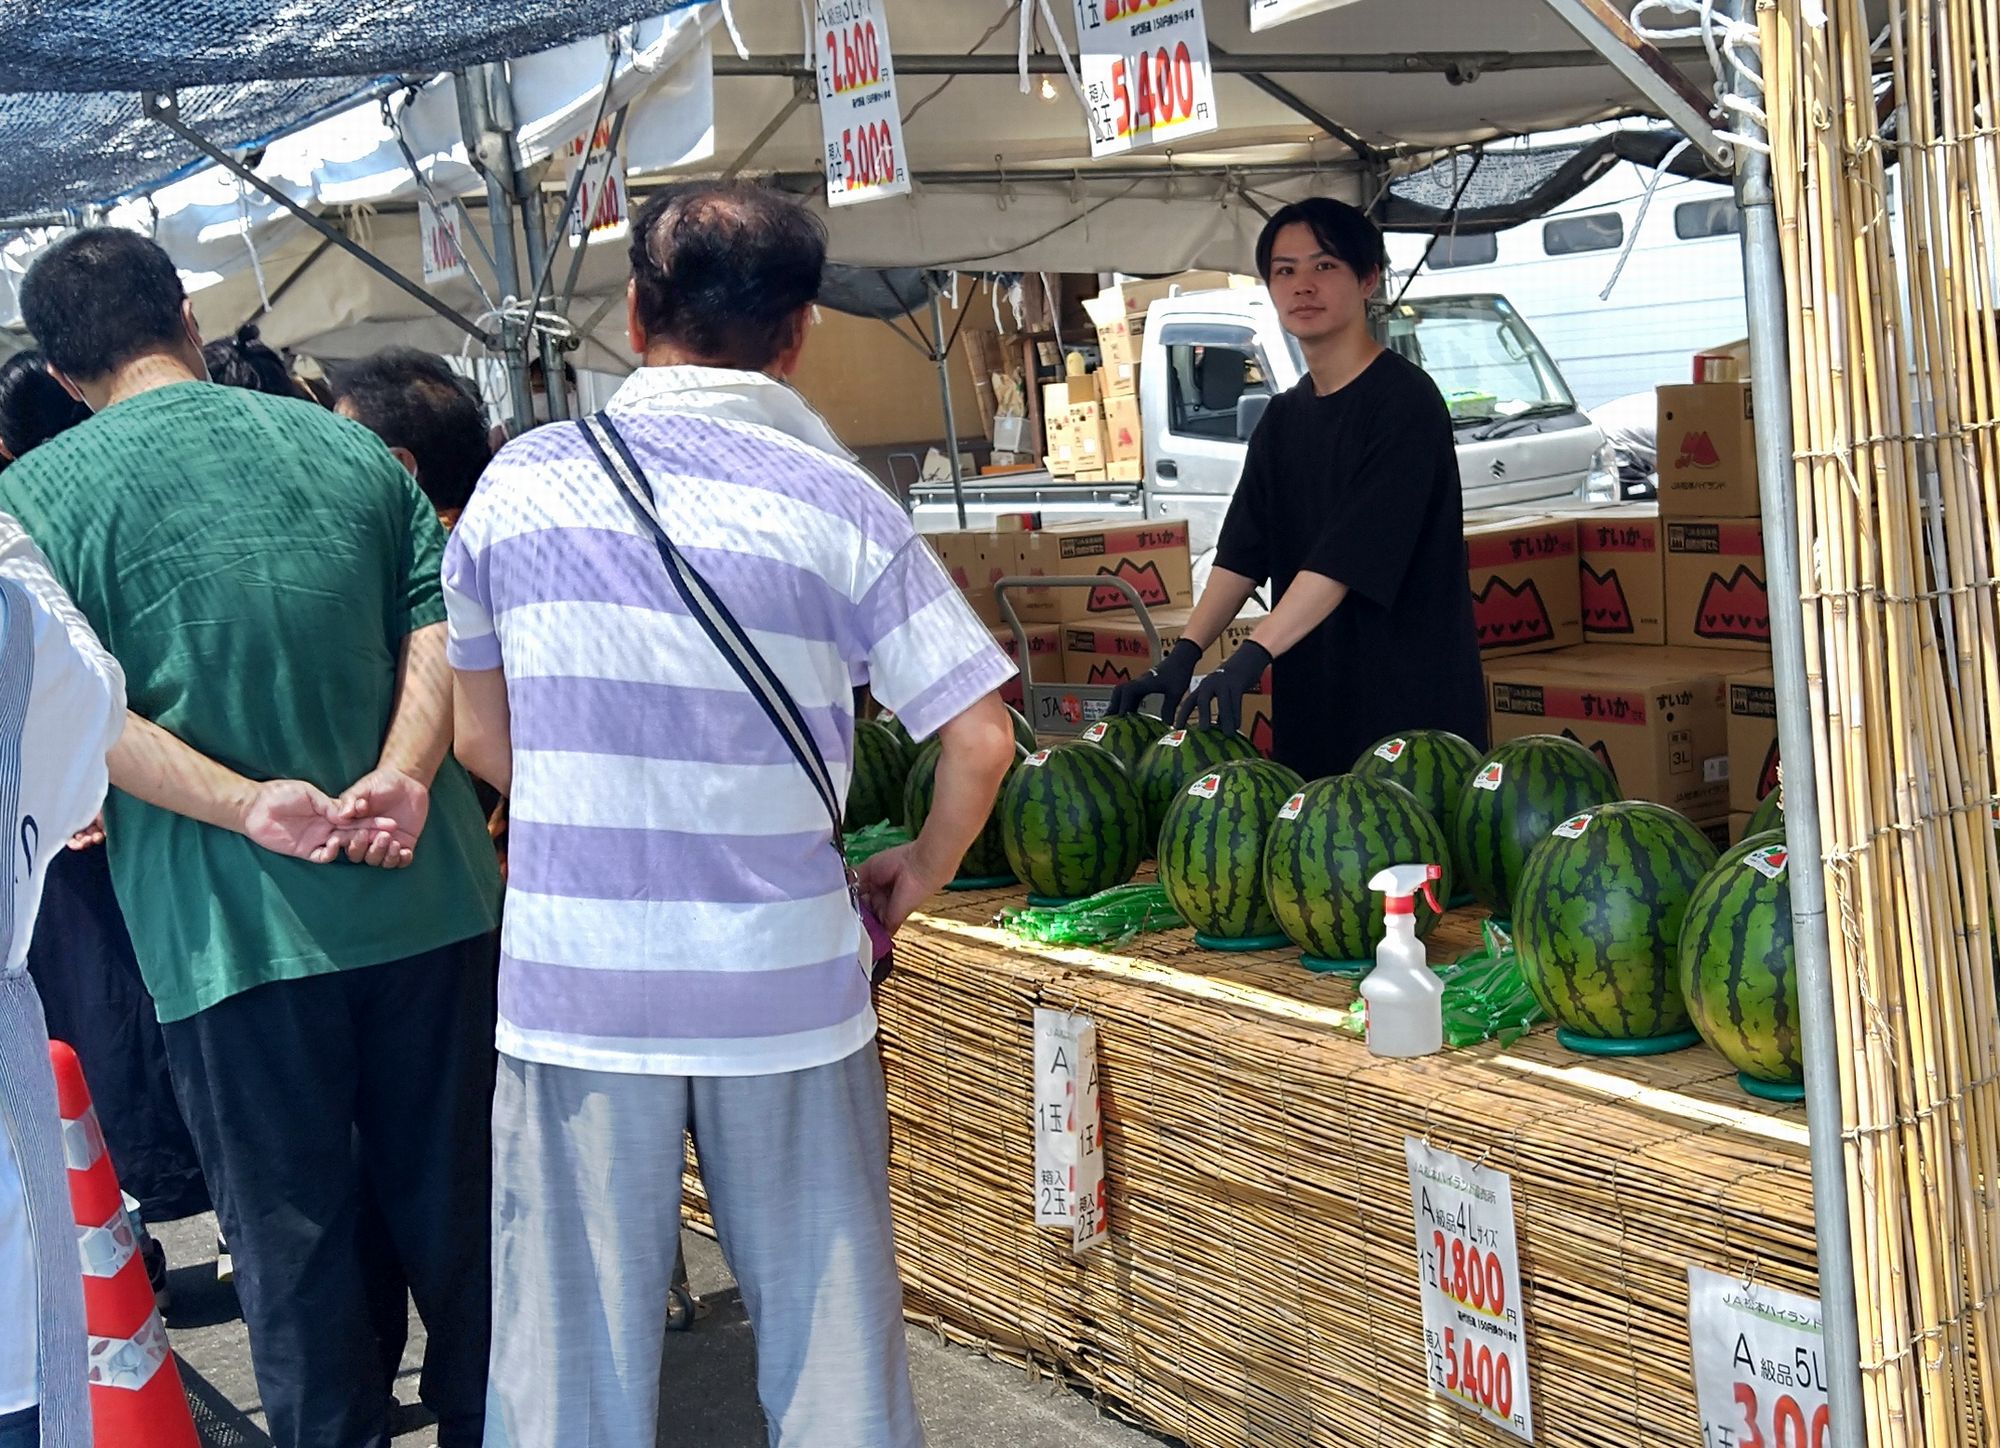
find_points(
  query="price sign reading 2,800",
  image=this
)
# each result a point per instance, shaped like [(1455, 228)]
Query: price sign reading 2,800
[(1470, 1277), (1153, 91)]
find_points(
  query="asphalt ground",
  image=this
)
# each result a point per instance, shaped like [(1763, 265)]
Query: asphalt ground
[(707, 1399)]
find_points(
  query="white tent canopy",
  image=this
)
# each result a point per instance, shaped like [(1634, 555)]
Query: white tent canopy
[(1004, 179)]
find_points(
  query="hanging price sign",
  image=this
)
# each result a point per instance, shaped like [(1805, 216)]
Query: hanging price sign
[(601, 212), (1469, 1272), (1069, 1143), (1266, 13), (1759, 1365), (859, 120), (438, 234), (1145, 73)]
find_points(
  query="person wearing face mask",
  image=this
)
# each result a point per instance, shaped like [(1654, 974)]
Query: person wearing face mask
[(268, 577), (426, 414), (1349, 507)]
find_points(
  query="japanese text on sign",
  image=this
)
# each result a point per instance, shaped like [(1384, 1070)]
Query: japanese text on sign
[(1469, 1273), (1145, 72), (1759, 1367), (1266, 13), (601, 212), (860, 123), (438, 233), (1069, 1147)]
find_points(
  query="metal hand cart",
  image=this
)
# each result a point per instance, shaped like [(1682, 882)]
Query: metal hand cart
[(1057, 707)]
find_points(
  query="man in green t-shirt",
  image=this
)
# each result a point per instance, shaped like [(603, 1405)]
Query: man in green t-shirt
[(267, 575)]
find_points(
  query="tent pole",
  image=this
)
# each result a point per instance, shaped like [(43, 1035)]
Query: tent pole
[(1764, 295), (943, 356), (534, 234), (489, 153)]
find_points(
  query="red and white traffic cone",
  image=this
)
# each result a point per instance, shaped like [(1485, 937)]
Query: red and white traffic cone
[(136, 1399)]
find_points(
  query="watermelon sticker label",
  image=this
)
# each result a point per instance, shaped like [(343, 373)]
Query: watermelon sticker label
[(1037, 759), (1293, 807), (1769, 861), (1490, 776), (1206, 786), (1391, 750), (1573, 827), (1095, 733), (1173, 738)]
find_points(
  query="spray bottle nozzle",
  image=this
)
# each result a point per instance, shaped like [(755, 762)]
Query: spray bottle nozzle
[(1401, 883)]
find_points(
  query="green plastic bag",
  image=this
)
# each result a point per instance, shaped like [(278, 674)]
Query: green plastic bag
[(1485, 996), (874, 840), (1111, 916)]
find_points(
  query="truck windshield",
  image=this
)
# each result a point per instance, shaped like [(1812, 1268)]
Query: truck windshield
[(1487, 363)]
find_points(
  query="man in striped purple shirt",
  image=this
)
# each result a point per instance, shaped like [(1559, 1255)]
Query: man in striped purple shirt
[(681, 949)]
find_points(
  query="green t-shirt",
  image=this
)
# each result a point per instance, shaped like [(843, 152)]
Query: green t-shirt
[(254, 563)]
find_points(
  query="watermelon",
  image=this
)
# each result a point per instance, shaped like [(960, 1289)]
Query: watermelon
[(1176, 760), (986, 858), (902, 734), (1071, 822), (1328, 841), (1024, 732), (1126, 736), (1212, 848), (1520, 792), (1737, 971), (1770, 814), (1597, 921), (875, 789), (1432, 764)]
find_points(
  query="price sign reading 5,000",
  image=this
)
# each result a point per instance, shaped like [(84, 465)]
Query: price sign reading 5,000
[(868, 154)]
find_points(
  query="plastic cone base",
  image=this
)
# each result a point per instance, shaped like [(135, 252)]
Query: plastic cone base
[(1786, 1091), (1241, 942), (1462, 899), (1050, 902), (1643, 1046), (981, 882), (1320, 965)]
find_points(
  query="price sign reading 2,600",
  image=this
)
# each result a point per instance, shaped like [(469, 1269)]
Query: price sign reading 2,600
[(1470, 1277), (853, 57), (1153, 92), (1478, 1374), (1787, 1424), (868, 154)]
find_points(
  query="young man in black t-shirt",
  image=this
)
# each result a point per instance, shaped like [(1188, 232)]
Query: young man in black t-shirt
[(1349, 506)]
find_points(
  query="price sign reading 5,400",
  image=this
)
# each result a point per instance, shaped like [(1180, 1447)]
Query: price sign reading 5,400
[(1153, 92), (1478, 1374)]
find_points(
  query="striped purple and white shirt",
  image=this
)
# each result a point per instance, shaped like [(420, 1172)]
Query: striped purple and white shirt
[(674, 905)]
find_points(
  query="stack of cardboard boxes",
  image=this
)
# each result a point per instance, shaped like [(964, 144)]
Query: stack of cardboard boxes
[(1643, 631)]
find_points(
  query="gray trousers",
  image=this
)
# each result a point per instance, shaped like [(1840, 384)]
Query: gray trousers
[(586, 1228)]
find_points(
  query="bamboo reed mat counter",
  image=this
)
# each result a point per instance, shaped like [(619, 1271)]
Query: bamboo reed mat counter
[(1259, 1287)]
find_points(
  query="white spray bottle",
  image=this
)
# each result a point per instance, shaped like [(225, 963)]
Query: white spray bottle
[(1405, 998)]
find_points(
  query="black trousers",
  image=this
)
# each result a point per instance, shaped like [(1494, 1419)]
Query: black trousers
[(306, 1099)]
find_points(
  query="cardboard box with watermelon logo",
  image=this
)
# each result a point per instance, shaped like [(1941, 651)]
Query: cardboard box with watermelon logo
[(1113, 649), (1753, 738), (1044, 658), (1657, 717), (1151, 556), (1716, 595), (1526, 596), (1707, 444), (1622, 576)]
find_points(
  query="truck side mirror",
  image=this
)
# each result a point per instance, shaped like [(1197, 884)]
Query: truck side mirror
[(1249, 412)]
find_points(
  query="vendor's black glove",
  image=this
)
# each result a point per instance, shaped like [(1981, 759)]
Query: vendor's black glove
[(1170, 680), (1222, 690)]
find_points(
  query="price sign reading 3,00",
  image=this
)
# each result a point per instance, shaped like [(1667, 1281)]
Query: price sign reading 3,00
[(1759, 1374)]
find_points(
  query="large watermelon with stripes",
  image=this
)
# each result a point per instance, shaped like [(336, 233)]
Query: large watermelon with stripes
[(986, 857), (1435, 765), (1177, 759), (1071, 823), (1597, 919), (1212, 847), (1520, 792), (1770, 814), (1329, 840), (1024, 732), (1737, 971), (881, 765), (1127, 736)]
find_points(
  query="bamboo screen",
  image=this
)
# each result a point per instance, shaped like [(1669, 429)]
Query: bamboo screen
[(1884, 164)]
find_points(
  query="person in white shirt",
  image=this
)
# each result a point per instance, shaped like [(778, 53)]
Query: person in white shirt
[(62, 706)]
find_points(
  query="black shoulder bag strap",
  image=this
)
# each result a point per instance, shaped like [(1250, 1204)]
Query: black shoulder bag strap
[(713, 615)]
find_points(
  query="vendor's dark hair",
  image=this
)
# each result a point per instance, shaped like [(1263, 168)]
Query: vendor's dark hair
[(100, 297), (412, 399), (1343, 230), (246, 361), (721, 268), (33, 406)]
